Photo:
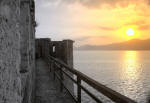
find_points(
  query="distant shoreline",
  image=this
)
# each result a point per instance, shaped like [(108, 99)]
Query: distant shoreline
[(134, 45)]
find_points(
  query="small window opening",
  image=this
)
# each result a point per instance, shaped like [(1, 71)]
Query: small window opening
[(54, 49)]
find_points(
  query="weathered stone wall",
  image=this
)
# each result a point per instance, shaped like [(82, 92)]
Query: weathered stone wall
[(17, 51), (27, 24), (10, 82), (67, 52), (42, 47), (67, 57)]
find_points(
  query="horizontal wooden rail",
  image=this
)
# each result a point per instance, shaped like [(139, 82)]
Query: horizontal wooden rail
[(65, 87), (111, 94)]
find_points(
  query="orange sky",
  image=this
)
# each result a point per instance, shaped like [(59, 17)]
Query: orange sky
[(97, 22)]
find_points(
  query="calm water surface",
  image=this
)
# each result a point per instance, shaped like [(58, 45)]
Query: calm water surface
[(127, 72)]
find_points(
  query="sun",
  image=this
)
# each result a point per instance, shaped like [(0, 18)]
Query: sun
[(130, 32)]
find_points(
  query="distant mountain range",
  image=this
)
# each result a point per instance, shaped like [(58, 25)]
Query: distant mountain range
[(134, 44)]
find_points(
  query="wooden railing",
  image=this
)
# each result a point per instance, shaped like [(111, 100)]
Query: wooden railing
[(111, 94)]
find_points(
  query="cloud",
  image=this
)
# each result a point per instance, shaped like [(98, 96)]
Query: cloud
[(107, 28), (82, 38), (141, 24), (93, 3), (144, 27), (89, 37), (98, 3)]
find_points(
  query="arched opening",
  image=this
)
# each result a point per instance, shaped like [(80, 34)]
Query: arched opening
[(54, 48)]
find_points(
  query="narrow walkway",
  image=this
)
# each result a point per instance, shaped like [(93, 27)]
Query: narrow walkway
[(46, 88)]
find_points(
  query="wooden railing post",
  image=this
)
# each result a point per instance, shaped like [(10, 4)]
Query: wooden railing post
[(61, 78), (50, 63), (79, 89), (53, 65)]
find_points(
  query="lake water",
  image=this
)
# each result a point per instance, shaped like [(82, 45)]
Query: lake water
[(127, 72)]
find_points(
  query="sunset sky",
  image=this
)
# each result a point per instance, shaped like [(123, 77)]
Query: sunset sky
[(94, 22)]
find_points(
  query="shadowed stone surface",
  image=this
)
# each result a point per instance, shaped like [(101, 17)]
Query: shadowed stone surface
[(47, 90)]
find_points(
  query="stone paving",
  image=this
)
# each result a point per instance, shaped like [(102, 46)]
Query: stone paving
[(47, 90)]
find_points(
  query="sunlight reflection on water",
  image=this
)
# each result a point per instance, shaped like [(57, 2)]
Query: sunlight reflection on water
[(131, 74), (130, 70), (126, 72)]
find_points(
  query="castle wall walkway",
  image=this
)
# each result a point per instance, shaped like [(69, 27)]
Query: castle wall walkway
[(46, 88)]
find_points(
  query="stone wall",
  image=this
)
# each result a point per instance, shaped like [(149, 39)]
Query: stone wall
[(42, 47), (62, 50), (10, 82), (27, 24), (17, 29)]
